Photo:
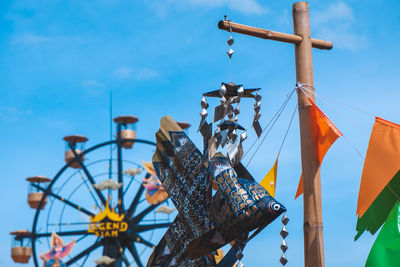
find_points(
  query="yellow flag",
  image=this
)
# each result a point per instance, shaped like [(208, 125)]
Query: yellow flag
[(269, 181)]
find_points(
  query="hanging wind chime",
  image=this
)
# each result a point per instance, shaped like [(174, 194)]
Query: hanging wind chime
[(229, 134)]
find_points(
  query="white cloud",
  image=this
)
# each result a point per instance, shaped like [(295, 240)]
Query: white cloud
[(146, 74), (335, 24), (250, 7), (123, 72), (93, 88), (336, 11), (27, 38), (30, 38), (12, 113), (91, 83), (284, 19), (140, 74), (342, 37), (247, 7)]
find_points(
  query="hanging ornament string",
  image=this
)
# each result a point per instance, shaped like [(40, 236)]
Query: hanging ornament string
[(325, 98), (280, 109), (284, 138), (284, 233), (230, 51), (304, 89), (287, 130), (271, 123)]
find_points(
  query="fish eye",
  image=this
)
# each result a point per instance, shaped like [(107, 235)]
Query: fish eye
[(276, 206)]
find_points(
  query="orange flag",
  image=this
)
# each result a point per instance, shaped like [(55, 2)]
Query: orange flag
[(381, 163), (325, 134)]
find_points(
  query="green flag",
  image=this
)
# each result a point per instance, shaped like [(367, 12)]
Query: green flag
[(386, 250), (379, 210)]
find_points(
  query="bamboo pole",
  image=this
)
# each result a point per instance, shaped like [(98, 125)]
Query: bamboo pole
[(271, 35), (313, 238)]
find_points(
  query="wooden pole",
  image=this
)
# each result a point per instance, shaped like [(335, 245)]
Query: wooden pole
[(313, 239), (270, 35)]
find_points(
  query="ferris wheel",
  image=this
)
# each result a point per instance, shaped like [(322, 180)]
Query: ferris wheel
[(106, 201)]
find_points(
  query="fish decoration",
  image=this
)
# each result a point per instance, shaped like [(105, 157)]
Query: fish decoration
[(206, 222)]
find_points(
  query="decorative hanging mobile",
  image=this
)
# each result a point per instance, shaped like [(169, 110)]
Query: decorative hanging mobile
[(227, 112), (206, 221)]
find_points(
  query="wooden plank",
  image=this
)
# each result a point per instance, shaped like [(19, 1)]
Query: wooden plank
[(271, 35)]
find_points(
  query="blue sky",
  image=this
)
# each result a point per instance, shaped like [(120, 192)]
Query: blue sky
[(60, 59)]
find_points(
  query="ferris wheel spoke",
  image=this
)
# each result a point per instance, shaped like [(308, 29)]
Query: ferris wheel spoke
[(123, 257), (88, 175), (129, 184), (148, 227), (112, 248), (85, 260), (125, 260), (89, 189), (82, 237), (145, 242), (85, 252), (66, 201), (135, 201), (77, 232), (141, 215), (120, 176), (132, 249)]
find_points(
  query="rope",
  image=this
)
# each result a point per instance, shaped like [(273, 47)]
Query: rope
[(398, 198), (353, 147), (333, 100), (329, 104), (280, 109), (287, 130), (301, 87), (343, 104), (272, 125)]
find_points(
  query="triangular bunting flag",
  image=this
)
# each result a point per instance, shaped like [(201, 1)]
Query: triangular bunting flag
[(381, 163), (386, 249), (325, 134), (379, 210), (269, 181)]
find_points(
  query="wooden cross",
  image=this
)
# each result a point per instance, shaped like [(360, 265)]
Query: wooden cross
[(313, 238)]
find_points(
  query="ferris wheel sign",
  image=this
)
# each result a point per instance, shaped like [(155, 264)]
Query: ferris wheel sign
[(107, 223)]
